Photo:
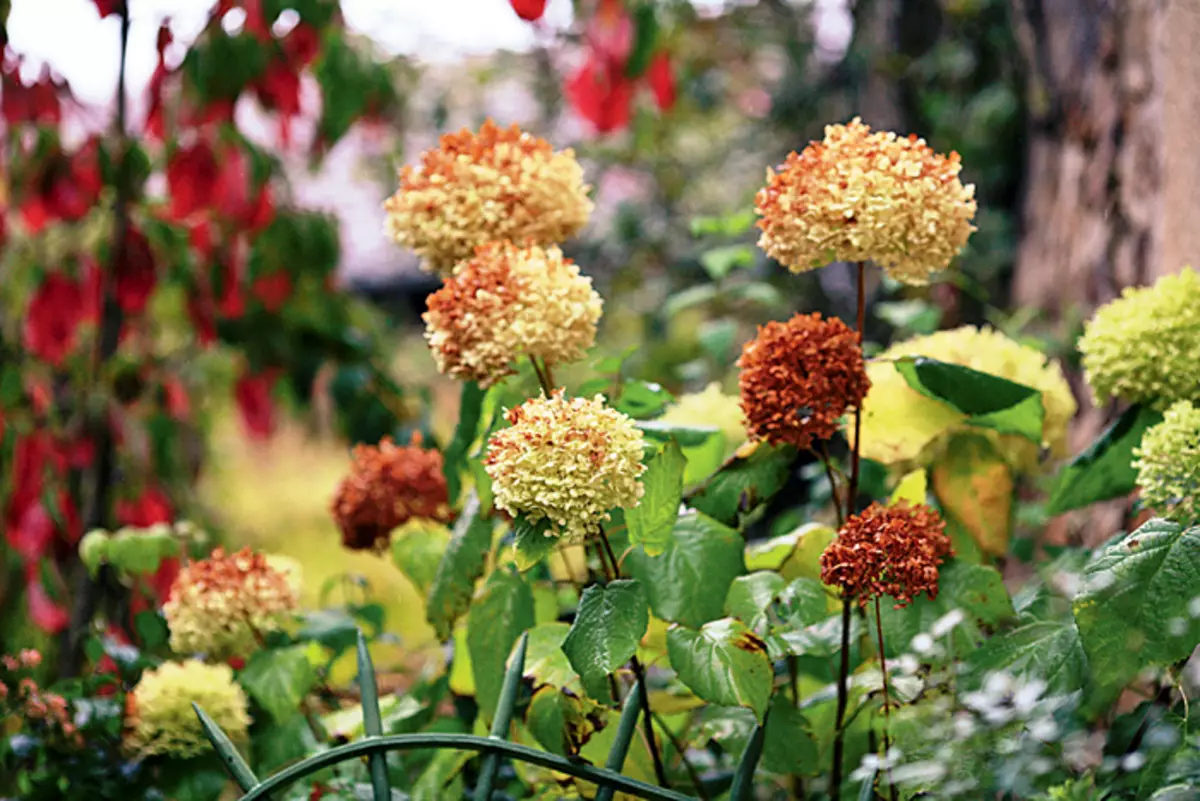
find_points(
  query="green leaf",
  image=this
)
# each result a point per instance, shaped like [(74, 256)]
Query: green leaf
[(278, 679), (501, 612), (1049, 650), (545, 661), (723, 663), (531, 543), (793, 555), (686, 436), (469, 413), (611, 621), (442, 769), (749, 479), (729, 225), (645, 39), (1105, 470), (687, 583), (418, 551), (804, 602), (462, 565), (789, 747), (975, 591), (642, 398), (1136, 607), (988, 401), (749, 596), (333, 628), (912, 488), (692, 296), (720, 262), (650, 522), (974, 486)]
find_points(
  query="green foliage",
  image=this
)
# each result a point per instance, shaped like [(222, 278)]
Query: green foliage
[(608, 625), (501, 612), (279, 679), (723, 663), (1037, 650), (687, 583), (417, 552), (650, 522), (470, 412), (988, 401), (1105, 470), (744, 483), (462, 565)]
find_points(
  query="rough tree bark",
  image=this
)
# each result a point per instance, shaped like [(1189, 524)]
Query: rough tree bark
[(1181, 124)]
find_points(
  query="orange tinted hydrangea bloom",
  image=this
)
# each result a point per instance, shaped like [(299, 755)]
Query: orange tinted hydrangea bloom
[(859, 196), (798, 378), (387, 486), (887, 550), (507, 302), (569, 460), (474, 188), (222, 606)]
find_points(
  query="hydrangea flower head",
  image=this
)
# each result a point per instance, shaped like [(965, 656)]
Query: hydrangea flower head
[(1168, 464), (902, 427), (860, 195), (160, 718), (798, 378), (1142, 346), (387, 486), (478, 187), (223, 605), (507, 302), (568, 460), (887, 550)]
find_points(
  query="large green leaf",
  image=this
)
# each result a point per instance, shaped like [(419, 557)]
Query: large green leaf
[(1136, 605), (470, 409), (749, 596), (789, 747), (974, 486), (975, 591), (418, 552), (278, 679), (749, 479), (650, 522), (723, 663), (988, 401), (462, 565), (687, 583), (1048, 650), (640, 399), (611, 620), (532, 542), (796, 554), (1105, 470), (687, 436), (561, 721), (545, 661), (501, 611)]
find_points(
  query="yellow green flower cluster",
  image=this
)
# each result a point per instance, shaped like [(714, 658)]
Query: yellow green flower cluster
[(487, 186), (860, 195), (902, 427), (223, 605), (160, 718), (710, 407), (508, 302), (570, 461), (1168, 464), (1143, 347)]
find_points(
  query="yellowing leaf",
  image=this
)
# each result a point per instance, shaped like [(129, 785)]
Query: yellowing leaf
[(462, 677), (974, 485), (912, 488)]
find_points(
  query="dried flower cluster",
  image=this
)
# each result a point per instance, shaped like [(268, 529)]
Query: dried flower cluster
[(507, 302), (859, 196), (387, 486), (887, 550), (567, 460), (159, 714), (1142, 347), (902, 427), (798, 378), (1168, 464), (474, 188), (223, 605)]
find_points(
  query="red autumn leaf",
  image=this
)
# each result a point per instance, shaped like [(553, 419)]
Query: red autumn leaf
[(155, 124), (610, 34), (279, 90), (201, 313), (529, 10), (136, 276), (71, 528), (230, 300), (231, 190), (152, 506), (31, 532), (36, 103), (200, 238), (109, 7), (662, 81), (263, 210), (273, 290), (601, 96), (46, 614), (253, 396), (80, 452), (301, 45), (53, 317), (175, 397), (191, 179)]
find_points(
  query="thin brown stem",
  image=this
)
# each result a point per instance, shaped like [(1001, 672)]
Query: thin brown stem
[(542, 377), (887, 701), (854, 453), (833, 488), (681, 749)]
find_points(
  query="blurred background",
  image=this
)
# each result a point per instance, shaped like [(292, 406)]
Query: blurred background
[(1075, 120)]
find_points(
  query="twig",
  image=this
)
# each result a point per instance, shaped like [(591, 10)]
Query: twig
[(681, 749), (887, 702)]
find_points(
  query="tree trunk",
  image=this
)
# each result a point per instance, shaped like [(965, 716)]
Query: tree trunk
[(1181, 212)]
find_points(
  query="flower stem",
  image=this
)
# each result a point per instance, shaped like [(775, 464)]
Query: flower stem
[(612, 571), (543, 375), (887, 701), (839, 738)]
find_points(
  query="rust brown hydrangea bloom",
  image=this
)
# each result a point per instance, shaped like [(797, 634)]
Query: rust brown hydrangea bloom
[(798, 378), (389, 485), (888, 550)]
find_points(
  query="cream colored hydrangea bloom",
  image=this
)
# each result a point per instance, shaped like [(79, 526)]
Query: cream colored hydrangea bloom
[(860, 195), (475, 188), (223, 605), (570, 461), (1168, 464), (902, 427), (160, 715), (1144, 346), (509, 302)]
